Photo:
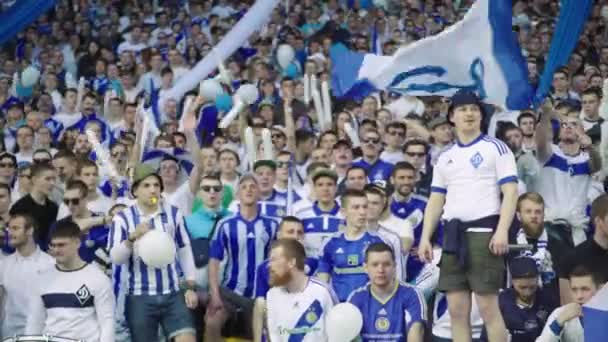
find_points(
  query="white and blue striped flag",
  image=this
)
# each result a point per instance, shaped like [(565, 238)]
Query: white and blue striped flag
[(595, 316), (479, 53)]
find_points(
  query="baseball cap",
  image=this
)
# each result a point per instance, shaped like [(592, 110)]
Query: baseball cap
[(523, 267), (265, 162)]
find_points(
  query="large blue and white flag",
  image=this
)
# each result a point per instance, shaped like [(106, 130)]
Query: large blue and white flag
[(478, 53), (595, 316)]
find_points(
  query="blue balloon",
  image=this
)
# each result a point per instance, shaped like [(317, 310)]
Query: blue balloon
[(223, 102), (291, 71)]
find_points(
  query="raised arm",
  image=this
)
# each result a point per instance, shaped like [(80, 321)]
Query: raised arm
[(544, 132)]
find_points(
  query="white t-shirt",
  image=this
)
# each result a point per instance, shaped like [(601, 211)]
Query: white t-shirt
[(182, 198), (77, 304), (299, 313), (17, 277), (564, 183), (472, 174)]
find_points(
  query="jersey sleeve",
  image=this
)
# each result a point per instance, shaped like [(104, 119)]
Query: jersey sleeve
[(439, 183), (104, 308), (182, 239), (118, 231), (36, 314), (271, 315), (218, 243), (506, 168), (552, 331), (414, 308), (326, 260), (262, 287)]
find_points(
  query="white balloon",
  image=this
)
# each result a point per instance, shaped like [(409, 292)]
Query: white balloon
[(248, 93), (210, 89), (344, 322), (29, 76), (285, 54), (156, 248)]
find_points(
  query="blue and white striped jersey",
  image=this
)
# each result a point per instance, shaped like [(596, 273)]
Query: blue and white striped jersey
[(243, 245), (319, 227), (142, 279)]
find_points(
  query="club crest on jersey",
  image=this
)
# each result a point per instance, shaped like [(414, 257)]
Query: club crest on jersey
[(352, 260), (476, 160), (280, 212), (311, 317), (83, 294), (382, 324)]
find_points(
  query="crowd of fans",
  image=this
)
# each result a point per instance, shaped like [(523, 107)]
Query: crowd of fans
[(104, 65)]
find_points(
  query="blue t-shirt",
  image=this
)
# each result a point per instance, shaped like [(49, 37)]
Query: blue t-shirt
[(391, 319), (343, 260)]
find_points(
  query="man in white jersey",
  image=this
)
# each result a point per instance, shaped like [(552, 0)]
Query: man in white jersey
[(74, 299), (17, 271), (297, 305), (155, 297), (468, 181), (565, 176)]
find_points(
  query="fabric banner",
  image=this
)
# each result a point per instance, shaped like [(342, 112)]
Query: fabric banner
[(479, 53), (20, 15), (571, 22), (595, 316)]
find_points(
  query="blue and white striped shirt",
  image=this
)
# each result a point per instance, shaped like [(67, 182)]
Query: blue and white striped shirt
[(142, 279), (319, 227), (243, 245)]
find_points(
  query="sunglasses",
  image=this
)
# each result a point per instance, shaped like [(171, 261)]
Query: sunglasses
[(208, 188), (73, 201), (371, 141), (41, 161), (7, 165), (282, 164), (276, 136)]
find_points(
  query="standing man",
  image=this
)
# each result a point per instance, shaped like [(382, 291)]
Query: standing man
[(392, 311), (38, 204), (17, 272), (468, 182), (74, 299), (241, 242), (344, 254), (154, 297), (297, 304)]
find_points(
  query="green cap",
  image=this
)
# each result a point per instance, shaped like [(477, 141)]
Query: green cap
[(265, 162), (141, 172)]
